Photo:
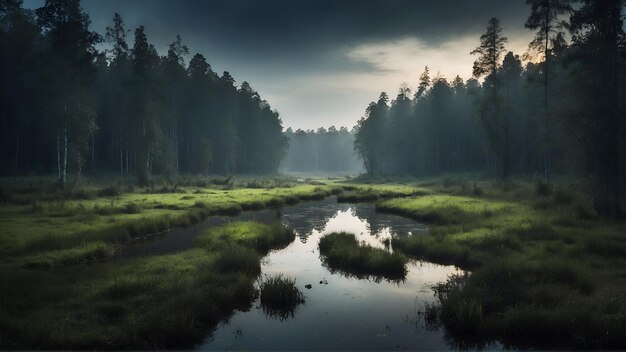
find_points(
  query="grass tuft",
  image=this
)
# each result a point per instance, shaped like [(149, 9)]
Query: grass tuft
[(280, 296)]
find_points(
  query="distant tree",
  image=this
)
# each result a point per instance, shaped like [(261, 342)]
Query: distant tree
[(545, 20), (368, 142), (115, 94), (598, 46), (70, 78), (226, 125), (424, 84), (199, 145), (20, 92), (144, 106), (511, 78), (174, 80), (490, 51)]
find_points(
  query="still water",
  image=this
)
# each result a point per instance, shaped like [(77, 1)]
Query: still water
[(340, 312)]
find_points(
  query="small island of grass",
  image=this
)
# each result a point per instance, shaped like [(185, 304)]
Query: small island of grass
[(341, 251)]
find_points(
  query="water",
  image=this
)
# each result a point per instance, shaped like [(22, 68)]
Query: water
[(340, 312)]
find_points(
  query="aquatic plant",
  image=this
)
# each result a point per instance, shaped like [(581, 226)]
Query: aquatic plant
[(280, 296)]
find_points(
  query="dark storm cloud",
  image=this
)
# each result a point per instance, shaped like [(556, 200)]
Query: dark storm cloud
[(301, 33), (320, 62)]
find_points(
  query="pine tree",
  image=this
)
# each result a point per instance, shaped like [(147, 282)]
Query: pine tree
[(70, 79), (490, 50), (544, 19)]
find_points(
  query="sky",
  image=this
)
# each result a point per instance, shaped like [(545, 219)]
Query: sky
[(320, 62)]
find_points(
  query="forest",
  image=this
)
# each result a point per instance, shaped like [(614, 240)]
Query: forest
[(125, 109), (322, 151), (148, 202), (560, 113)]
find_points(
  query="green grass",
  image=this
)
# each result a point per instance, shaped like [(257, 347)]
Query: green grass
[(35, 214), (165, 302), (546, 272), (280, 296), (234, 258), (88, 253), (356, 193), (261, 237), (341, 251)]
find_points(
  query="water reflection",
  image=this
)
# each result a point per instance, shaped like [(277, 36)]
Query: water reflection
[(340, 312)]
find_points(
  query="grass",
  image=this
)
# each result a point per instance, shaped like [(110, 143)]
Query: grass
[(261, 237), (280, 296), (235, 258), (34, 213), (88, 253), (359, 193), (165, 301), (546, 272), (341, 251)]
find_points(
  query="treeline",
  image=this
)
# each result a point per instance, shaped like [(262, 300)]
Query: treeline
[(561, 112), (325, 150), (66, 106)]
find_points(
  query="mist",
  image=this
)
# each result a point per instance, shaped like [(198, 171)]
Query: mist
[(312, 175)]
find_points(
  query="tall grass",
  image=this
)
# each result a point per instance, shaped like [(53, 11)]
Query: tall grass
[(88, 253), (341, 251), (235, 258), (280, 296), (437, 249)]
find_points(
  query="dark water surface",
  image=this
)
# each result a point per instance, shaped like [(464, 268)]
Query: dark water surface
[(341, 312)]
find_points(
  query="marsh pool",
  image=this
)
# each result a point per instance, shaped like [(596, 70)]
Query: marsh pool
[(341, 312)]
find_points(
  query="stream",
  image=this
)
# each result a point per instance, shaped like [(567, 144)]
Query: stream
[(341, 311)]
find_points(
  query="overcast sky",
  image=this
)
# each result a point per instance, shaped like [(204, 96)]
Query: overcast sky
[(320, 62)]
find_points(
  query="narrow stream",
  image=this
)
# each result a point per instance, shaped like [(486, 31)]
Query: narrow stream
[(340, 312)]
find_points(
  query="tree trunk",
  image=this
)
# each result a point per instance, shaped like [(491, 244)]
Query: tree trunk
[(65, 143), (121, 156), (59, 160), (546, 150), (17, 152), (93, 150)]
